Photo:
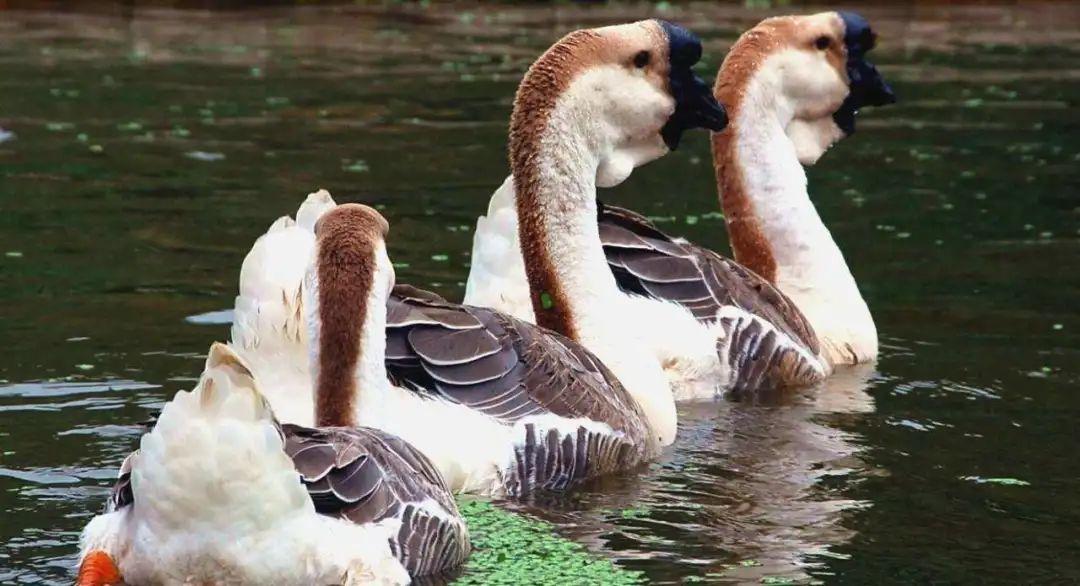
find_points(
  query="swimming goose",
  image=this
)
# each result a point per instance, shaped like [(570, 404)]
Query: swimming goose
[(220, 492), (788, 310), (501, 407)]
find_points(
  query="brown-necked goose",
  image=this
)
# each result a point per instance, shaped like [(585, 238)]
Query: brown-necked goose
[(220, 492), (787, 310), (500, 406)]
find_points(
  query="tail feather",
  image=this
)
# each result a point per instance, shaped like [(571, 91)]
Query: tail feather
[(497, 277), (216, 453), (268, 329), (228, 387), (316, 204)]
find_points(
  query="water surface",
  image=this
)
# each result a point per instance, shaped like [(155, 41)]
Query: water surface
[(141, 154)]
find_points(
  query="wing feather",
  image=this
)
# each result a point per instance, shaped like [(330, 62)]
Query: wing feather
[(375, 476), (531, 373), (505, 368), (648, 262)]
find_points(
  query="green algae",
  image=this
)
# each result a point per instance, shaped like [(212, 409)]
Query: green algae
[(512, 549)]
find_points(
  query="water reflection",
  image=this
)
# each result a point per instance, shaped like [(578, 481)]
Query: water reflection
[(754, 490)]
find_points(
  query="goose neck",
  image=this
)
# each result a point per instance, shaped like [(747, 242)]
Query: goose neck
[(555, 193), (772, 224), (556, 159), (347, 327)]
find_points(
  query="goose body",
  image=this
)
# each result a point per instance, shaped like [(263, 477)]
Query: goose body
[(219, 492), (713, 324), (709, 324), (500, 406)]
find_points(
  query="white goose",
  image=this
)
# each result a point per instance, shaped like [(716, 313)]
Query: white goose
[(220, 493), (784, 316)]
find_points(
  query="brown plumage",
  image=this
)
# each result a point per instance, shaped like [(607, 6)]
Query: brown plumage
[(365, 475), (345, 262), (122, 495), (536, 96), (545, 81), (649, 262), (748, 241), (511, 370), (760, 358)]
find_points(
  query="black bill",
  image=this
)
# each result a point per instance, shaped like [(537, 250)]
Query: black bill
[(695, 106), (867, 87)]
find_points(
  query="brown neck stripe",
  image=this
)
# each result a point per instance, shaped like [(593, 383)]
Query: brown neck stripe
[(346, 263), (546, 79), (748, 241)]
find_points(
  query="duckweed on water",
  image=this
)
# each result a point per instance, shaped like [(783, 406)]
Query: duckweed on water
[(1000, 481), (358, 166), (510, 549)]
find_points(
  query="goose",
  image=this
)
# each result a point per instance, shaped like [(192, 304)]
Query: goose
[(501, 407), (786, 310), (220, 492)]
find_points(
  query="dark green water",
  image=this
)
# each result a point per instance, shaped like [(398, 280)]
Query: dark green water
[(149, 152)]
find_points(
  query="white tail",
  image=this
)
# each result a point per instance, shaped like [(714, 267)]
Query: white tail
[(313, 208), (268, 324), (497, 277), (217, 500), (215, 456)]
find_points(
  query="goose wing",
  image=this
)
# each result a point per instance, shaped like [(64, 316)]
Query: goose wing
[(646, 261), (366, 475), (498, 365), (122, 495)]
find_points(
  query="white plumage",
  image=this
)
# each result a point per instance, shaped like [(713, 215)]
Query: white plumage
[(277, 325), (217, 500), (497, 275), (270, 330)]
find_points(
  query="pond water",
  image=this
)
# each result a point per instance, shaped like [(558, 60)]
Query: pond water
[(141, 154)]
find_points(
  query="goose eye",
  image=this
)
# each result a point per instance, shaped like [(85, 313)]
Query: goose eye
[(822, 43), (641, 59)]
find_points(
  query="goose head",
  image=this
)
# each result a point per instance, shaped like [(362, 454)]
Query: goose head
[(816, 69), (626, 94), (345, 293)]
